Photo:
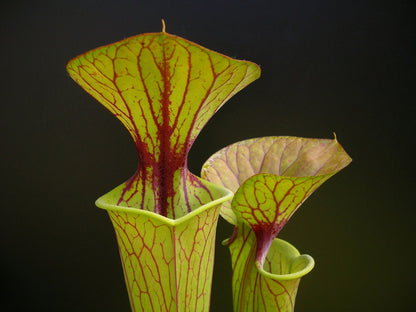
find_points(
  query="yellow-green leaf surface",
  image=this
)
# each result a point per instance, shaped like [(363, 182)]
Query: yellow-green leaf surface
[(282, 156), (163, 89), (271, 178), (167, 263), (273, 287), (266, 202)]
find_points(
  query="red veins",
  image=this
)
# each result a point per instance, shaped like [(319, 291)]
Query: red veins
[(163, 89)]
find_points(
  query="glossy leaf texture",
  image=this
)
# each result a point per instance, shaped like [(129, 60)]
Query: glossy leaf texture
[(167, 263), (271, 178), (272, 287), (163, 89)]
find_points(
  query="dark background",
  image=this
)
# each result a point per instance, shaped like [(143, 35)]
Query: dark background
[(343, 66)]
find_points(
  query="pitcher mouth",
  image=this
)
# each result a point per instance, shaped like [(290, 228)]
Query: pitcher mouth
[(109, 202), (300, 265)]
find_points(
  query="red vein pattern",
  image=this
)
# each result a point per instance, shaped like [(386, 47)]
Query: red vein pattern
[(266, 202), (167, 268), (282, 156), (271, 178), (163, 89), (275, 290)]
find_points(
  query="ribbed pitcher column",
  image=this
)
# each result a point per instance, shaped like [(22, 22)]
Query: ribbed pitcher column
[(163, 89), (275, 284), (167, 263)]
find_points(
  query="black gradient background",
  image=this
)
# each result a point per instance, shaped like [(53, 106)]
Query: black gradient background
[(327, 66)]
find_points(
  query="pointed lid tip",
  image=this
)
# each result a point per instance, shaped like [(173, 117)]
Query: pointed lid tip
[(163, 26)]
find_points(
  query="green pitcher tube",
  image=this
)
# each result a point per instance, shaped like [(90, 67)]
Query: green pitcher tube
[(167, 263), (274, 285), (163, 89)]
